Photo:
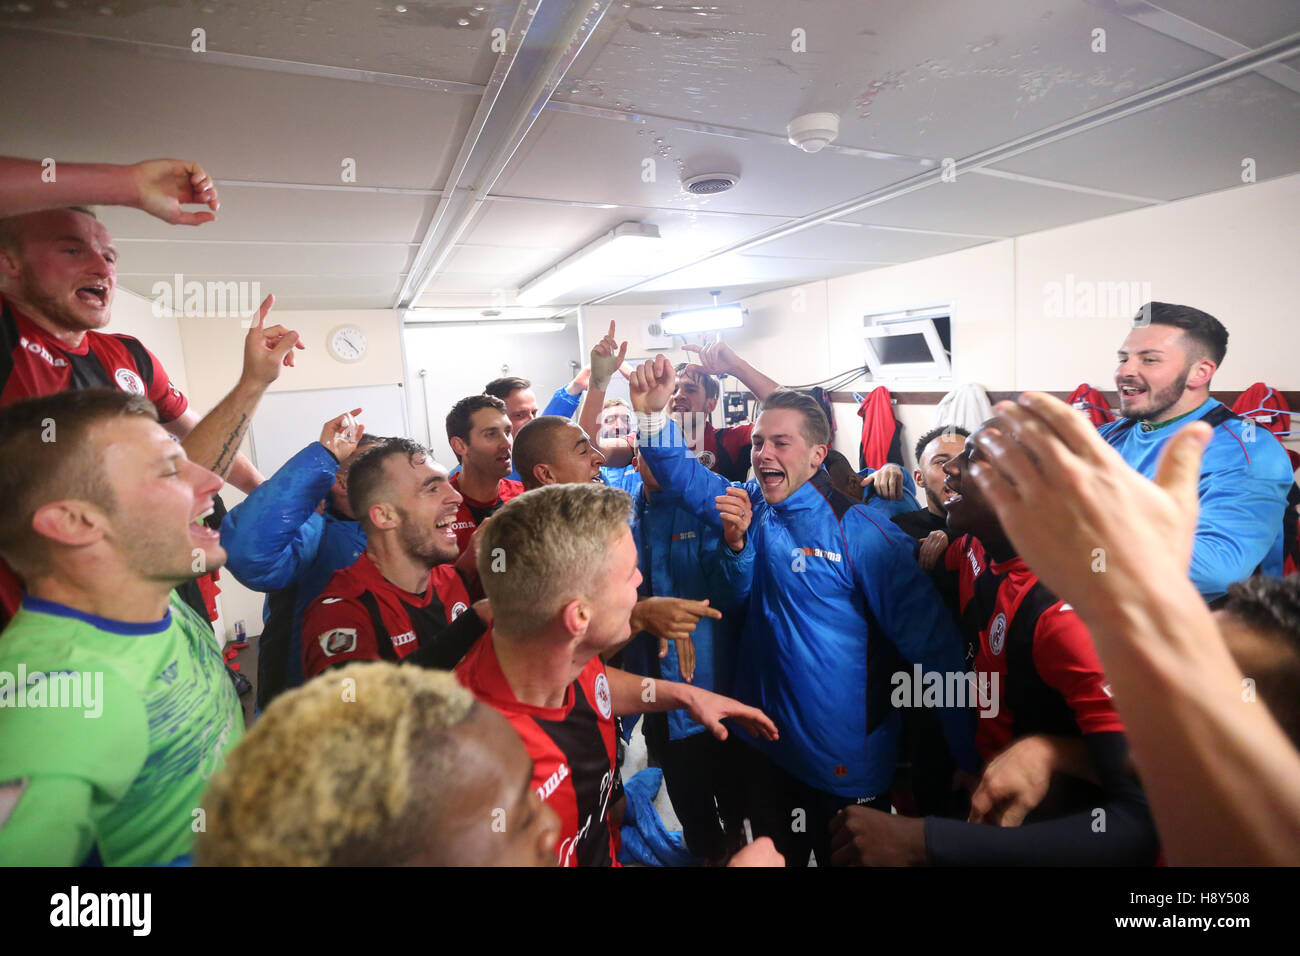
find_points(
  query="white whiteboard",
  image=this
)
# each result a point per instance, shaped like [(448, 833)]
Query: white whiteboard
[(287, 422)]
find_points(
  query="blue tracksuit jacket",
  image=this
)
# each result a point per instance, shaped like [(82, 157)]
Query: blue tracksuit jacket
[(1245, 477), (834, 597), (679, 557), (274, 538)]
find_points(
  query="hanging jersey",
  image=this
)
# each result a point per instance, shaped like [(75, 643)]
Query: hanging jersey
[(473, 513), (573, 750), (1033, 656), (361, 616)]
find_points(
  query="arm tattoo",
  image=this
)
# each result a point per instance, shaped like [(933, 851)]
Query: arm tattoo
[(230, 448)]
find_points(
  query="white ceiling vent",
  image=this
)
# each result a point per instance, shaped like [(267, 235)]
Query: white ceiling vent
[(710, 184)]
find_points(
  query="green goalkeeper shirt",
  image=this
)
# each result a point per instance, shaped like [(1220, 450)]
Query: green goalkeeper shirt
[(109, 734)]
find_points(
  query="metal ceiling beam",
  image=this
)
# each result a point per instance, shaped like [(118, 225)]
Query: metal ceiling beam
[(544, 39), (1193, 82), (1154, 17)]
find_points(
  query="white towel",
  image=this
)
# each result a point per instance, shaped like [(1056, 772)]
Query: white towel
[(966, 406)]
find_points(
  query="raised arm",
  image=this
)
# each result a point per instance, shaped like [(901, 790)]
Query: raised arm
[(630, 694), (718, 358), (269, 535), (606, 358), (659, 441), (565, 400), (157, 186), (214, 441)]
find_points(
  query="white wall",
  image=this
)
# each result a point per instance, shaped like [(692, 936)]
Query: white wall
[(460, 361)]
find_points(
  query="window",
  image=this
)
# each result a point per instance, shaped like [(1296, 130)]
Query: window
[(910, 346)]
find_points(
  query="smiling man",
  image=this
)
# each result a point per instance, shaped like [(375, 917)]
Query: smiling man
[(402, 600), (103, 518), (555, 451), (1163, 378), (562, 595), (834, 599), (279, 540)]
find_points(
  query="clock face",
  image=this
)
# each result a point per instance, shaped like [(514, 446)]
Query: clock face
[(347, 343)]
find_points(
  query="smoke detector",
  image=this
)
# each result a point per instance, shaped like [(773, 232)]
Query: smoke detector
[(813, 131), (710, 184)]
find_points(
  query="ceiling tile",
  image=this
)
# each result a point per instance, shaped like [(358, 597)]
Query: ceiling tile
[(449, 41), (983, 204), (1192, 145)]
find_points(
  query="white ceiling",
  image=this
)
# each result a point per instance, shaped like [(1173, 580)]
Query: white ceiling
[(477, 171)]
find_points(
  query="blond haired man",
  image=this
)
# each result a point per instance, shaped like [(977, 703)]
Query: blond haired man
[(559, 567), (378, 765)]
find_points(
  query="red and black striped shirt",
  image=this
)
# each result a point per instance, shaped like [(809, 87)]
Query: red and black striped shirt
[(473, 513), (573, 746), (362, 616), (35, 363), (1050, 680)]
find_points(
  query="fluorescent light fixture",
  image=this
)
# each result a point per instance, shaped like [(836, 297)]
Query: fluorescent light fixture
[(623, 251), (704, 319)]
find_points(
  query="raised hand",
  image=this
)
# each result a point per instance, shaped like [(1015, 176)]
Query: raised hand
[(1017, 780), (670, 618), (340, 435), (685, 656), (267, 349), (716, 358), (607, 357), (932, 549), (652, 384), (164, 185)]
